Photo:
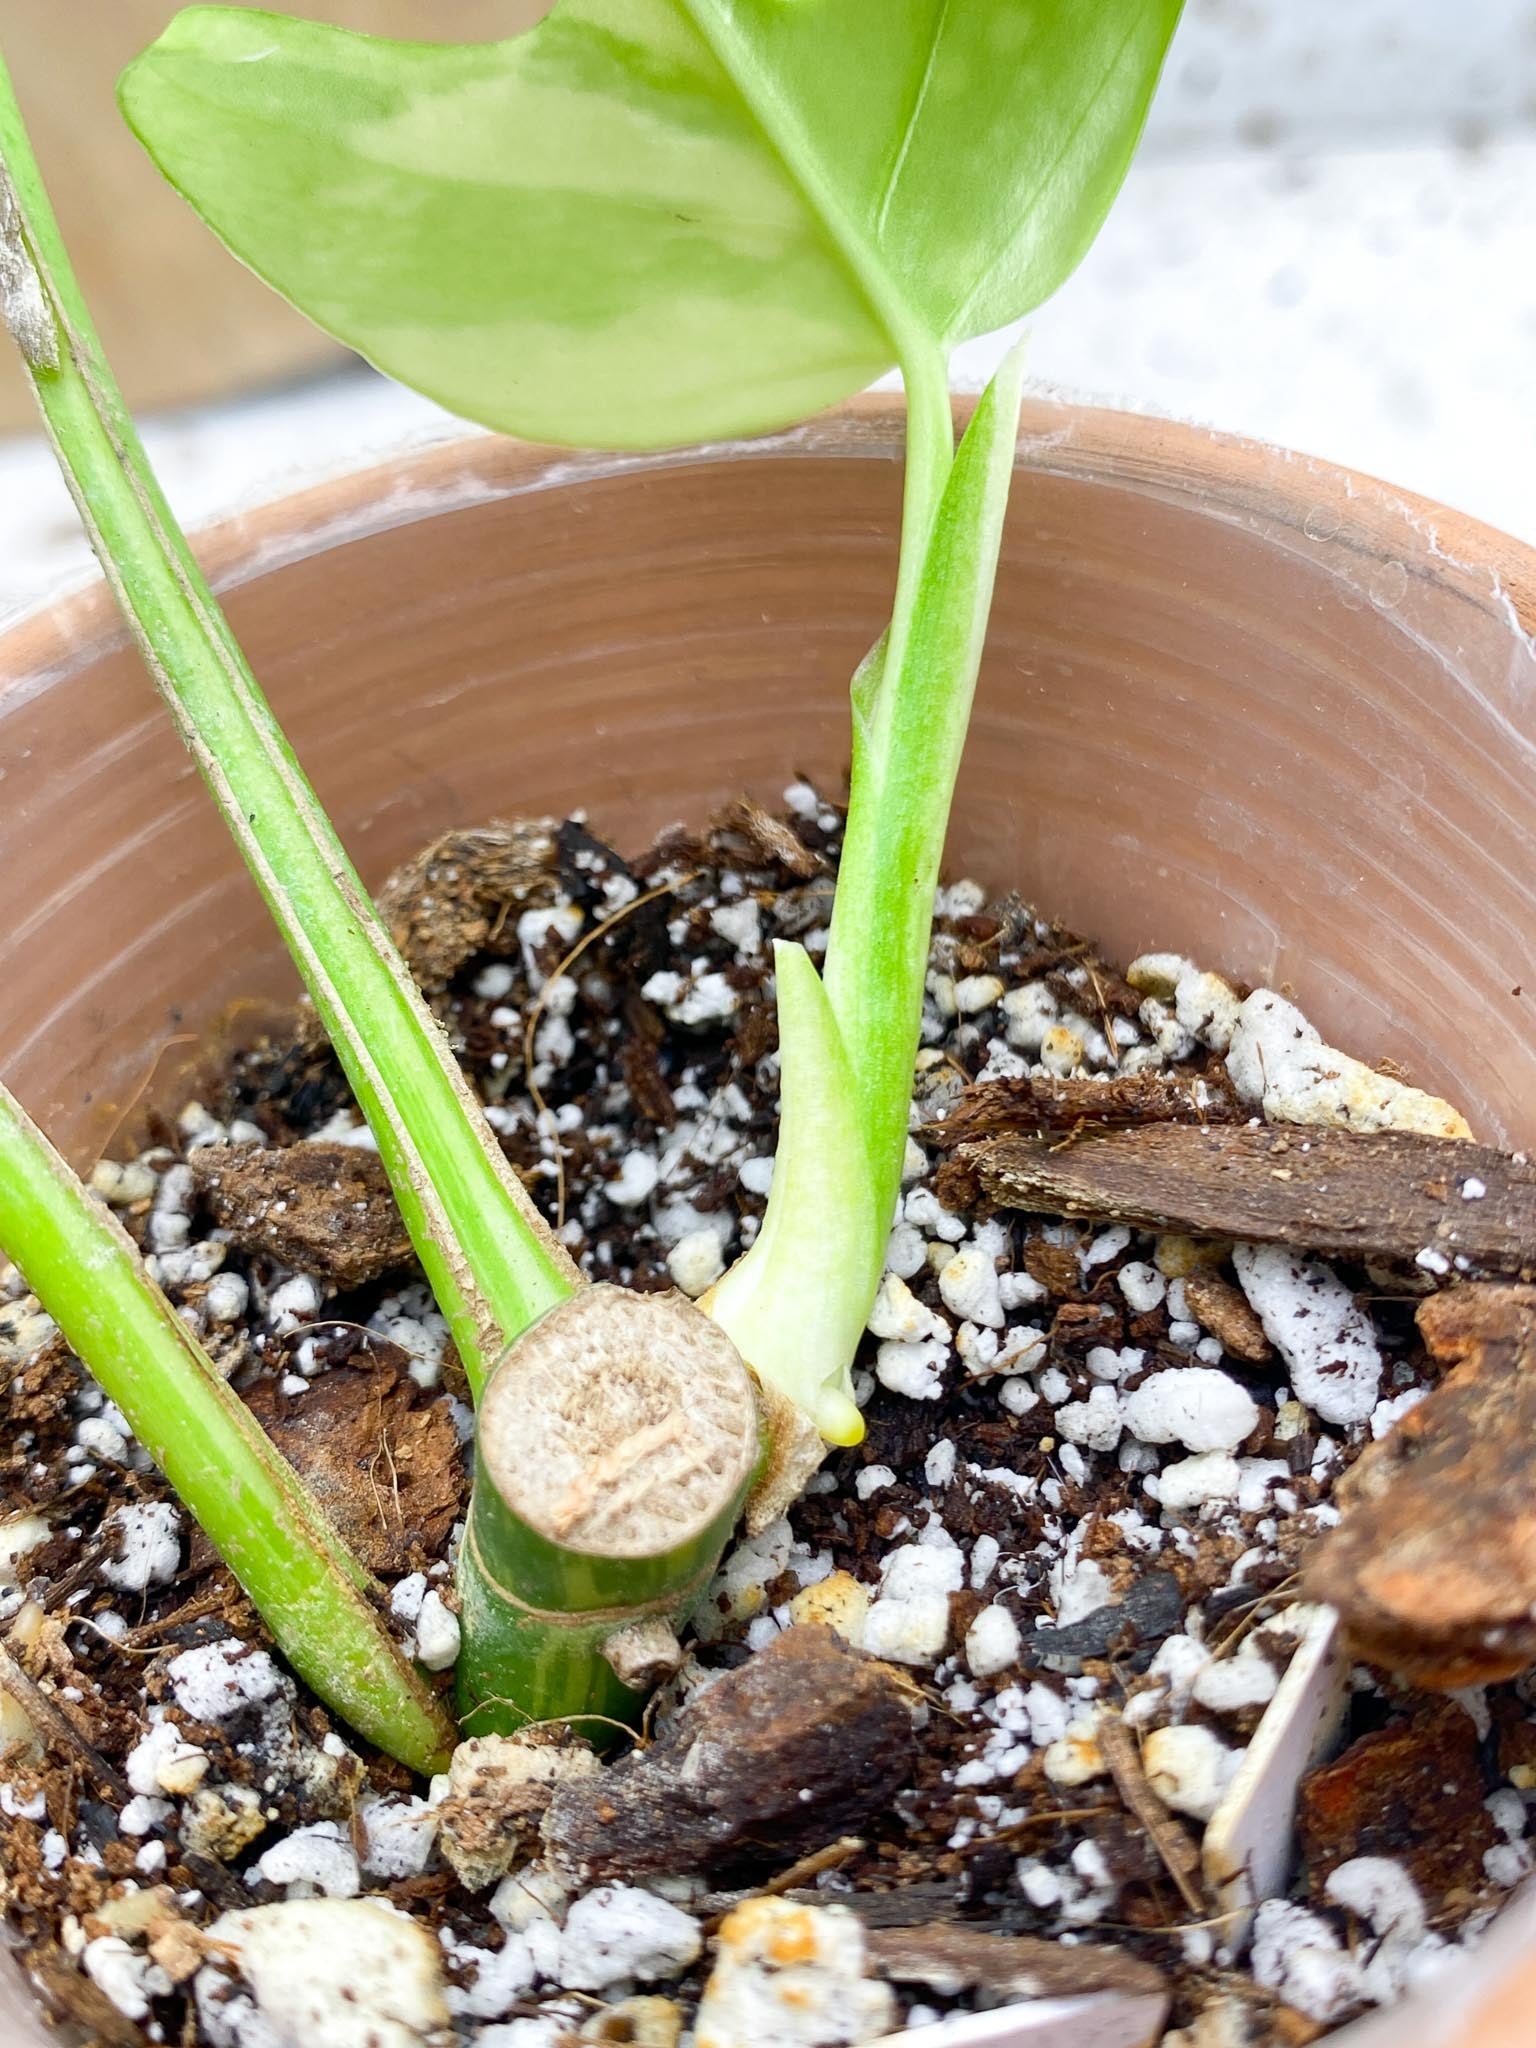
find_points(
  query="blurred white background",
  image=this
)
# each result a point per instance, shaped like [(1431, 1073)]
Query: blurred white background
[(1329, 241)]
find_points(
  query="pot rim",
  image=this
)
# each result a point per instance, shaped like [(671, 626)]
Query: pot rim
[(1367, 523)]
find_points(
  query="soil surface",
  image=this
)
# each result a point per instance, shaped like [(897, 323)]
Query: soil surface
[(1042, 1607)]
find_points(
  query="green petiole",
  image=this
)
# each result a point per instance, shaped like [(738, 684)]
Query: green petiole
[(492, 1262), (314, 1596), (796, 1305), (911, 711)]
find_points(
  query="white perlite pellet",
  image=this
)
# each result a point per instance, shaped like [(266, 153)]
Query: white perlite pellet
[(227, 1298), (908, 1622), (296, 1301), (218, 1680), (740, 925), (1379, 1892), (915, 1370), (992, 1642), (791, 1976), (313, 1859), (18, 1539), (1278, 1061), (130, 1980), (1227, 1685), (1327, 1341), (939, 1465), (1189, 1768), (636, 1180), (328, 1973), (400, 1832), (1191, 1482), (148, 1538), (708, 999), (1095, 1423), (619, 1934), (407, 1595), (1193, 1405), (695, 1262), (898, 1317), (968, 1287), (437, 1633), (1142, 1286), (164, 1762), (1299, 1956), (977, 992)]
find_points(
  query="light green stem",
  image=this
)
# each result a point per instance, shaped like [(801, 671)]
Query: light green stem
[(312, 1593), (491, 1261), (797, 1303), (539, 1655), (614, 1448), (930, 454), (910, 717)]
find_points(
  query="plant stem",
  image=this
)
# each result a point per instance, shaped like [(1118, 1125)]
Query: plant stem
[(309, 1589), (911, 712), (930, 453), (648, 1435), (798, 1301), (492, 1262)]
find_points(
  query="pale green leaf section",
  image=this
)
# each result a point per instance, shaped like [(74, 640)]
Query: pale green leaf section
[(648, 222), (578, 236), (321, 1606), (795, 1305)]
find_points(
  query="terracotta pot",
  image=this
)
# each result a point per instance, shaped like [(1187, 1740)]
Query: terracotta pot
[(1235, 702)]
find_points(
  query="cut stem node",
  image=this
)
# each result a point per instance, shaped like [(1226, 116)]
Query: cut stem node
[(617, 1439)]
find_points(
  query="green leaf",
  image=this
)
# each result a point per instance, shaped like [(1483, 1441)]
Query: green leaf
[(654, 221), (795, 1305)]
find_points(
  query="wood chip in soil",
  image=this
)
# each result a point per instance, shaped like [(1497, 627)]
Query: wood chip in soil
[(1071, 1102), (1355, 1194), (383, 1463), (322, 1209), (1433, 1567)]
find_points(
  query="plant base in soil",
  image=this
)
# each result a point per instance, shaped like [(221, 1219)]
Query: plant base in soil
[(1088, 1485)]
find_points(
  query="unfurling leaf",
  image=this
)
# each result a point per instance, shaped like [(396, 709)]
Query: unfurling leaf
[(795, 1305)]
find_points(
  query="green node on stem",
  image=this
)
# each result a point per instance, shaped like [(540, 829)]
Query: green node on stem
[(616, 1442)]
